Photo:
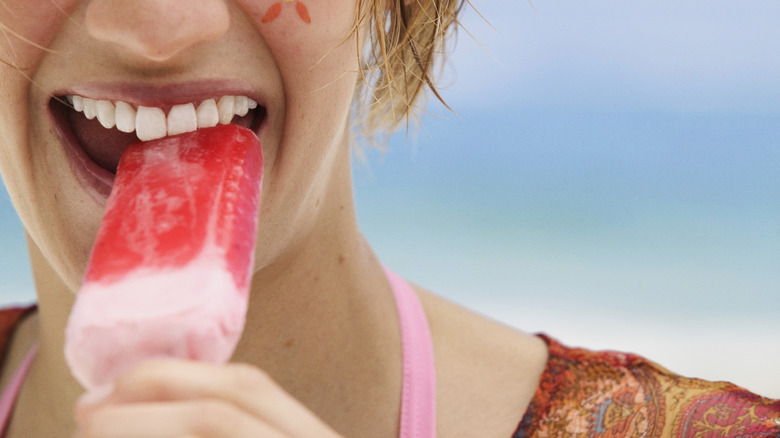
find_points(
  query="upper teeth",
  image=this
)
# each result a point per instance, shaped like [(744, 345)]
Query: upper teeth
[(150, 123)]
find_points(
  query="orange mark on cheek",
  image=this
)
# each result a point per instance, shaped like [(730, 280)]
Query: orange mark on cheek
[(272, 13), (303, 12)]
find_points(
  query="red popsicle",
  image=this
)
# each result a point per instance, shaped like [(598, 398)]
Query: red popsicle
[(170, 270)]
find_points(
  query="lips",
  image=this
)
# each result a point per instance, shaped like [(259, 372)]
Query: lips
[(95, 132)]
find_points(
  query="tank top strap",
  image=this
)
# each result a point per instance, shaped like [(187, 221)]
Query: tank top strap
[(418, 397), (11, 392)]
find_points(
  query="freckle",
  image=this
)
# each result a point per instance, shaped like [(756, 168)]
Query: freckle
[(289, 343), (341, 207), (318, 203), (341, 259)]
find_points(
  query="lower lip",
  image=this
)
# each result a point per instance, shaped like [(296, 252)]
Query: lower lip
[(94, 179)]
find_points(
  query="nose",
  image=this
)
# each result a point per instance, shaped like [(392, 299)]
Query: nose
[(157, 29)]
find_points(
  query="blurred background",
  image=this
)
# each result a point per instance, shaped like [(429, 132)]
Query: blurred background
[(611, 177)]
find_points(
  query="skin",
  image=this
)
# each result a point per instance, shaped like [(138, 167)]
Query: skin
[(290, 376)]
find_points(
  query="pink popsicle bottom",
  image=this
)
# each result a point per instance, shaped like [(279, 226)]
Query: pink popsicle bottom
[(199, 317)]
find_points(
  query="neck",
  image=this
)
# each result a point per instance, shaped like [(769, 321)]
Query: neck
[(336, 326), (322, 311)]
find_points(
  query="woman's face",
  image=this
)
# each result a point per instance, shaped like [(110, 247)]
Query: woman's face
[(290, 56)]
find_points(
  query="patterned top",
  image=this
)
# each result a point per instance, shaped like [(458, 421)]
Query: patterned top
[(612, 395), (9, 318), (617, 395)]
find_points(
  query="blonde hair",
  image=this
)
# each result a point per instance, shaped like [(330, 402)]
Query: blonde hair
[(405, 41)]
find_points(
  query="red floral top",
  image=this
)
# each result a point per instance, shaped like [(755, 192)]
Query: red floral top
[(613, 395), (616, 395), (9, 318)]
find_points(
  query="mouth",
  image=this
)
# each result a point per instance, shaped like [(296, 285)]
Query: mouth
[(96, 132)]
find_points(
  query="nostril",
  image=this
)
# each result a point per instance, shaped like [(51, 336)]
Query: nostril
[(156, 29)]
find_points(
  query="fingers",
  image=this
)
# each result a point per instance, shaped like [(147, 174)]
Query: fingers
[(201, 419), (245, 390)]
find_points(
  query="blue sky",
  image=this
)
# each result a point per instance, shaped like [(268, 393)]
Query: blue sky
[(611, 178), (691, 56)]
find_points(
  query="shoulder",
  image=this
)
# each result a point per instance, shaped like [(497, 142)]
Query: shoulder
[(487, 372), (625, 395)]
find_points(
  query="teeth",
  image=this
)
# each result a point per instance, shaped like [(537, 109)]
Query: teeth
[(242, 106), (150, 123), (208, 114), (90, 108), (106, 114), (227, 108), (182, 118), (125, 117), (78, 103)]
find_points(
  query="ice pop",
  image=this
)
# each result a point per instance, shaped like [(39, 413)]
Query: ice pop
[(170, 269)]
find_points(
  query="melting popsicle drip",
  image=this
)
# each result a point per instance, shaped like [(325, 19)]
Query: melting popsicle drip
[(170, 269)]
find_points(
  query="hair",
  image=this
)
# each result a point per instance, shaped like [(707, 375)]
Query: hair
[(405, 42)]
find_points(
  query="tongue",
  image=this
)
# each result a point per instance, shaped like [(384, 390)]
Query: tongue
[(170, 270)]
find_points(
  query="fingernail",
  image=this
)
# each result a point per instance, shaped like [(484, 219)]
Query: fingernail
[(96, 395)]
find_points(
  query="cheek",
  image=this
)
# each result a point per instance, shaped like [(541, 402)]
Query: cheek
[(29, 26), (301, 32), (313, 46), (318, 64)]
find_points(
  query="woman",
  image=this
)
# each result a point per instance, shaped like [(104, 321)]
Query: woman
[(322, 351)]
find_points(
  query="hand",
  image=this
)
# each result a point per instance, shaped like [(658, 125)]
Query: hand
[(178, 399)]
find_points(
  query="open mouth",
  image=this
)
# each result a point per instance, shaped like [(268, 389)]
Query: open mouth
[(96, 132)]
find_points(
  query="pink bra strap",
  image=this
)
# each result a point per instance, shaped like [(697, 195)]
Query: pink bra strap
[(418, 397), (8, 399)]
